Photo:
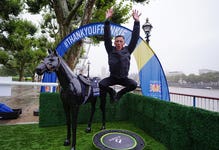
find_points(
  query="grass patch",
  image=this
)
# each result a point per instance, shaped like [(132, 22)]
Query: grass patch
[(33, 137)]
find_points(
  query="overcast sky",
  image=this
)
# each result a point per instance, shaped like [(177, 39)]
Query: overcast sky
[(185, 35)]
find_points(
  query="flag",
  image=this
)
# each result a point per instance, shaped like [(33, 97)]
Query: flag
[(152, 77)]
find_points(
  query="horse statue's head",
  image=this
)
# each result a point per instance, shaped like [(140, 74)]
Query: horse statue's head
[(49, 64)]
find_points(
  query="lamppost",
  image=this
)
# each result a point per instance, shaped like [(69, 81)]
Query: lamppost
[(88, 69), (147, 29)]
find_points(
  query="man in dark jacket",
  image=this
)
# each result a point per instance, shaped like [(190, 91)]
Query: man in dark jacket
[(119, 60)]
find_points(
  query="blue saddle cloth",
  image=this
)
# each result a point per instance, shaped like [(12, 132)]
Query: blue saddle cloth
[(90, 87), (95, 86)]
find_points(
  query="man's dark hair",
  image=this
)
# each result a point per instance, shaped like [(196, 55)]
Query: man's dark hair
[(120, 36)]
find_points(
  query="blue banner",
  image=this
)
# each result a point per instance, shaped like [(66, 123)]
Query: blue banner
[(152, 78)]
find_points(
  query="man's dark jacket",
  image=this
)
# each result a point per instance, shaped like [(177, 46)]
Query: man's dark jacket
[(119, 60)]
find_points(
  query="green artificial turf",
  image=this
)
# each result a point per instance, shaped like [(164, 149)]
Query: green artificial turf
[(33, 137)]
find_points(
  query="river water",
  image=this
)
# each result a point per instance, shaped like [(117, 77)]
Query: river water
[(198, 92)]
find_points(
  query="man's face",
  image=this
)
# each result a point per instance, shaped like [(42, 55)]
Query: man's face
[(119, 43)]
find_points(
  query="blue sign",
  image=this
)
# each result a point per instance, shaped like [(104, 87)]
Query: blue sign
[(152, 78)]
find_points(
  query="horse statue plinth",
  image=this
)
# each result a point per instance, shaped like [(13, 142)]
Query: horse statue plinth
[(75, 91)]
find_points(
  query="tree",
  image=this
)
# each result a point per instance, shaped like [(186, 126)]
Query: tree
[(4, 58), (9, 8), (18, 45), (71, 14), (39, 52), (20, 51), (209, 77)]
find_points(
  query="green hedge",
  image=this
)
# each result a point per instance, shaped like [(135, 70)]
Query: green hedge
[(52, 113), (178, 127)]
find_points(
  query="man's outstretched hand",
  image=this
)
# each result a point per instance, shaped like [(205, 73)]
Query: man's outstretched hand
[(136, 15), (109, 13)]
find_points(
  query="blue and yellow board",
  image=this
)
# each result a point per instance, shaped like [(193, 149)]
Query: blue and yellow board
[(152, 78)]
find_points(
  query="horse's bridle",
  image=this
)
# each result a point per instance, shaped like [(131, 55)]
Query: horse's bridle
[(50, 68)]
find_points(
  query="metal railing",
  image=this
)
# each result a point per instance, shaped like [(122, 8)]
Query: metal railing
[(8, 84), (204, 102)]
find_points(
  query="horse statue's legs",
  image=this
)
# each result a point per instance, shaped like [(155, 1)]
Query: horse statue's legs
[(93, 107), (93, 101), (71, 123), (75, 110), (67, 110), (68, 125), (103, 109)]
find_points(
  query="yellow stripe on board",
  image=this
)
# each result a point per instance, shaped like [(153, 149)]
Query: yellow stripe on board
[(142, 54)]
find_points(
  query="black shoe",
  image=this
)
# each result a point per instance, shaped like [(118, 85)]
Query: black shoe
[(113, 96)]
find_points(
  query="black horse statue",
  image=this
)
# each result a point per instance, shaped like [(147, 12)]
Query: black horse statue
[(75, 91)]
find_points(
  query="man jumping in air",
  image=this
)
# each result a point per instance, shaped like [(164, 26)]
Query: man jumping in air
[(119, 57)]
